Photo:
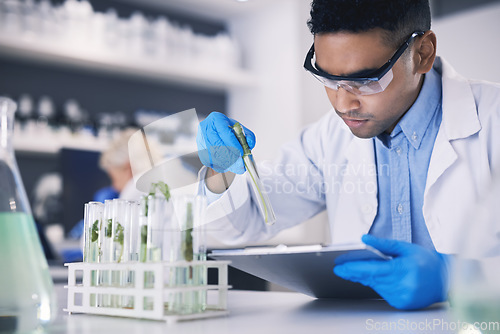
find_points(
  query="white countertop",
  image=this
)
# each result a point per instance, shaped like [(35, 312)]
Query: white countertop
[(271, 312)]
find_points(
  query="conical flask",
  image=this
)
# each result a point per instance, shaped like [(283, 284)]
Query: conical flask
[(26, 291)]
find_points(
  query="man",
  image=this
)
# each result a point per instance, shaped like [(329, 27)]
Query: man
[(116, 163), (410, 147)]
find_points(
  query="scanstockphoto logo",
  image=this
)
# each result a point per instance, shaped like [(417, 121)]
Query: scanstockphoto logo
[(437, 325), (320, 178)]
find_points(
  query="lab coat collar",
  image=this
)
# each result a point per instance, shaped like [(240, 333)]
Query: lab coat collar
[(417, 119), (460, 119)]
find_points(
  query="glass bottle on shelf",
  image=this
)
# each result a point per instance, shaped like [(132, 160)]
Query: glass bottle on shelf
[(26, 291)]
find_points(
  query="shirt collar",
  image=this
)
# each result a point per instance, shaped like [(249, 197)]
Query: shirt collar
[(416, 120)]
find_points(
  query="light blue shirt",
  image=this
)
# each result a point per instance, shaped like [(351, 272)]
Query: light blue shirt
[(402, 162)]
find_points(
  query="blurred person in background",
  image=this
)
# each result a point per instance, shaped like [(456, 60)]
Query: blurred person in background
[(115, 162)]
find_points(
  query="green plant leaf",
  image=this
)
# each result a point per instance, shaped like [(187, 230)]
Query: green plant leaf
[(109, 228), (95, 231)]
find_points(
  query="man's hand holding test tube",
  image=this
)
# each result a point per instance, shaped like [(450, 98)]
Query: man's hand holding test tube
[(225, 146)]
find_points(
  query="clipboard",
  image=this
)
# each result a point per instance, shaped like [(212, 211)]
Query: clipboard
[(305, 269)]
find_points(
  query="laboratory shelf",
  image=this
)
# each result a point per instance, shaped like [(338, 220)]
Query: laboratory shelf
[(192, 74), (44, 144), (217, 10)]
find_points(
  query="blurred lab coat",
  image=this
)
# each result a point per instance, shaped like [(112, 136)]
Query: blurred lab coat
[(334, 170)]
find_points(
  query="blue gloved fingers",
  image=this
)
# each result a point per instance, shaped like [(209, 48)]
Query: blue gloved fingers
[(226, 153), (222, 127), (226, 158), (388, 246), (366, 272), (218, 147), (250, 136), (416, 277), (218, 157)]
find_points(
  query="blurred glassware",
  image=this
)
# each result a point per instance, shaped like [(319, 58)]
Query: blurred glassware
[(25, 108), (27, 300), (30, 19), (475, 288), (111, 31), (74, 115), (75, 25), (46, 112), (11, 17)]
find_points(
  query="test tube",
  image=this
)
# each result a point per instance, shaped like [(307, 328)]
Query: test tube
[(190, 215), (120, 225), (155, 215), (106, 277), (132, 246), (93, 212), (93, 215), (159, 221), (143, 229), (106, 232), (133, 240), (258, 188)]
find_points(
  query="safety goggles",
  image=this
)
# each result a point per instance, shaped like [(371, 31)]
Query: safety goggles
[(374, 83)]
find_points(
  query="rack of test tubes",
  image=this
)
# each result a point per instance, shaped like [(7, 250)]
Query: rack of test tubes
[(149, 295), (147, 259)]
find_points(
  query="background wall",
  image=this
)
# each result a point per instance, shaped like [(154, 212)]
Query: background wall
[(470, 41)]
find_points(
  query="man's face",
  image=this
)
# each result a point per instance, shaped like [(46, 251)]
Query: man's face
[(344, 54)]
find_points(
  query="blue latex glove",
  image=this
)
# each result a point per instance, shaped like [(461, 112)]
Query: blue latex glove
[(218, 147), (415, 277)]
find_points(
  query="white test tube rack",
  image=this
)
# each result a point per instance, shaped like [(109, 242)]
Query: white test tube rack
[(80, 292)]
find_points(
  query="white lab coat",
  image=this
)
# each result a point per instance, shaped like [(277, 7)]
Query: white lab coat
[(466, 154), (130, 192)]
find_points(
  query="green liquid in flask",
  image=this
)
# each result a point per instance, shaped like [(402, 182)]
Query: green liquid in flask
[(25, 283)]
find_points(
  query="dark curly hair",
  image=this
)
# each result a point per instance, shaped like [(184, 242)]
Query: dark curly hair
[(399, 18)]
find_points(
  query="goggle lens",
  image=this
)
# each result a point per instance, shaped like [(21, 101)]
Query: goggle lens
[(367, 87)]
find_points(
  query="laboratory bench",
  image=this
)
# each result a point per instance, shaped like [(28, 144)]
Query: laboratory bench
[(270, 312)]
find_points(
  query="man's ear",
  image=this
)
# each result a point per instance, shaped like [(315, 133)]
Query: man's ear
[(425, 52)]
